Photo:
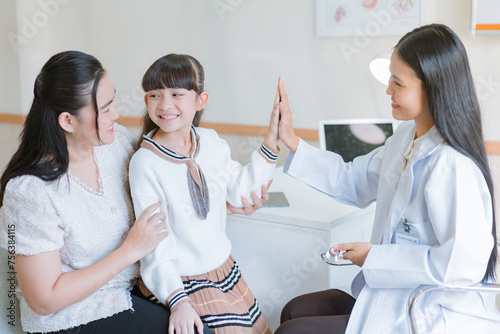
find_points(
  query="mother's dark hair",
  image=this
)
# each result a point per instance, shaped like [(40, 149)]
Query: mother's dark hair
[(439, 59), (68, 82)]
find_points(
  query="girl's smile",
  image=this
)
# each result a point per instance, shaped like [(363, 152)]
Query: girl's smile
[(173, 109), (167, 118)]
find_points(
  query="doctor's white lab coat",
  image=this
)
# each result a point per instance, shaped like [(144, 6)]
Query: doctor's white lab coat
[(444, 197)]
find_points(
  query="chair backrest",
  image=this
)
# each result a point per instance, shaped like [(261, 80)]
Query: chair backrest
[(480, 321)]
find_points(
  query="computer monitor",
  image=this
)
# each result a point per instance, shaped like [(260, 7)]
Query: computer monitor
[(354, 137)]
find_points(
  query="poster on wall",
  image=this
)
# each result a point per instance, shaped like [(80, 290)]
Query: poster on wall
[(486, 16), (338, 18)]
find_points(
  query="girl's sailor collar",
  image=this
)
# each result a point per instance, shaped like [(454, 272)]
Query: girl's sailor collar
[(164, 152), (196, 180)]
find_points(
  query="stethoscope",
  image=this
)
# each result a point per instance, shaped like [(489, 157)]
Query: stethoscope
[(334, 257)]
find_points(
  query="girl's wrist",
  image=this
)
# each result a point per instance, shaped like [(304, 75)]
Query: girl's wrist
[(271, 143)]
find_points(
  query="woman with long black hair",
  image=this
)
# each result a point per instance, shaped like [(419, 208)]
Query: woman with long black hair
[(434, 221)]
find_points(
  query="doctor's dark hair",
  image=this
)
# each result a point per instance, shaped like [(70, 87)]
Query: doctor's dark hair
[(173, 71), (68, 82), (439, 59)]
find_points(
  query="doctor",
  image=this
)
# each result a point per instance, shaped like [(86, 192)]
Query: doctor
[(434, 221)]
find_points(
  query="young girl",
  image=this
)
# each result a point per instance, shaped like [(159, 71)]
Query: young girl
[(434, 221), (190, 172)]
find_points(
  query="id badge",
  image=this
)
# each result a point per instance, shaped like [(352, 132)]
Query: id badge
[(407, 234)]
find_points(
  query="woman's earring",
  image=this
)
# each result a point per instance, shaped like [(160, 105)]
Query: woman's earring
[(69, 129)]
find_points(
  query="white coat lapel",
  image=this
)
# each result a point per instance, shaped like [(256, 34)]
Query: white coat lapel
[(388, 193), (403, 192)]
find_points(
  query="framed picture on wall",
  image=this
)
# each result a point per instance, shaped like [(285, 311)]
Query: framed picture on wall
[(486, 16), (338, 18)]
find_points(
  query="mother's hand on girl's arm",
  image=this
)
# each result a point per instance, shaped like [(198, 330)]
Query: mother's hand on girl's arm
[(47, 289), (146, 233), (248, 209)]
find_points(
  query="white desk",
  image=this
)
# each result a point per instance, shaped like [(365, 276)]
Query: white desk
[(278, 249)]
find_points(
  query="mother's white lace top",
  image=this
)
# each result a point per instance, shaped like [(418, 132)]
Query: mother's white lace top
[(84, 225)]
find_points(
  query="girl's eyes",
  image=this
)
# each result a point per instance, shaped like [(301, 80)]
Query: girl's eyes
[(173, 94)]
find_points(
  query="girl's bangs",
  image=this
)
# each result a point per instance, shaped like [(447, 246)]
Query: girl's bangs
[(167, 75)]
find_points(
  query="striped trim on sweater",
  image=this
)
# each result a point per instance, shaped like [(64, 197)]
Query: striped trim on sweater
[(269, 155), (177, 298)]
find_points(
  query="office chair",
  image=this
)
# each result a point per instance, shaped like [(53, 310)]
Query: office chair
[(423, 290)]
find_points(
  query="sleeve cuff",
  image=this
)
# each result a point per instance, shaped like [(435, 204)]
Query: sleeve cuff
[(177, 297), (269, 154), (291, 156)]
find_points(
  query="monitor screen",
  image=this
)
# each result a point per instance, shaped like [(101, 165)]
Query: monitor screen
[(354, 137)]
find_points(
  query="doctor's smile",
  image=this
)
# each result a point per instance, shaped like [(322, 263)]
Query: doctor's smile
[(394, 105)]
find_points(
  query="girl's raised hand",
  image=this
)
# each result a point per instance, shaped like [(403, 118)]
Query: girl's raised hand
[(285, 131), (272, 136), (356, 252), (146, 233)]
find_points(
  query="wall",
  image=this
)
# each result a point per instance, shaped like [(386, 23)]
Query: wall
[(10, 98), (244, 47)]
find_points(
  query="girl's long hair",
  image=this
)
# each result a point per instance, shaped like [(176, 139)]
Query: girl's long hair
[(67, 82), (439, 59), (173, 71)]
